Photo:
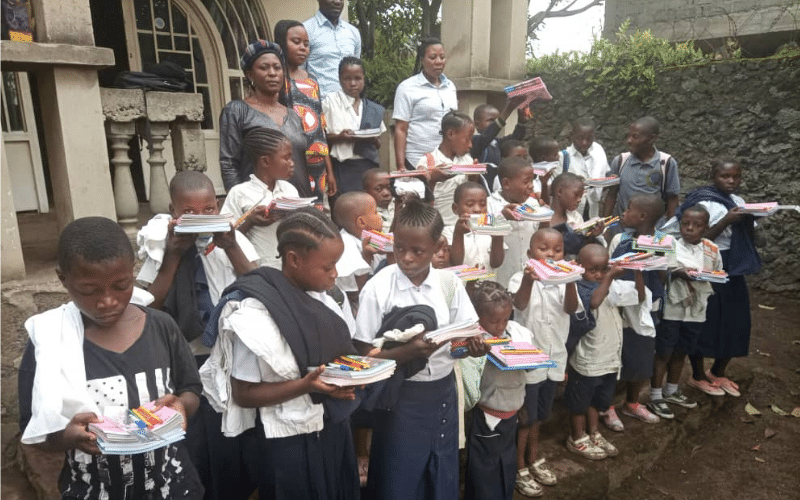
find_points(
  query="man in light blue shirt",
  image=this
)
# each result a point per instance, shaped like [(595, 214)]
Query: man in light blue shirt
[(331, 39)]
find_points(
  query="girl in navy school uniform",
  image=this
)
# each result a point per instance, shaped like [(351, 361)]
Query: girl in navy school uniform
[(414, 452)]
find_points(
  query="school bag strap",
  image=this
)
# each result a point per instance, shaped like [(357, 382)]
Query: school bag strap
[(565, 160)]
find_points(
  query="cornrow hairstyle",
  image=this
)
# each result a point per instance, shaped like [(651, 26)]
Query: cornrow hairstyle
[(416, 213), (717, 165), (94, 239), (189, 181), (466, 186), (698, 209), (303, 230), (487, 294), (565, 179), (453, 120), (426, 42), (261, 141), (507, 146)]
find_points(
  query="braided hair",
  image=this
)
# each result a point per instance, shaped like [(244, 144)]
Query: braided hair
[(421, 48), (488, 294), (416, 213), (453, 120), (303, 230), (261, 141)]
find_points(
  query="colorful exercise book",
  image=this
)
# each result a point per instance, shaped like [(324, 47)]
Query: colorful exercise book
[(710, 276), (143, 429), (467, 168), (199, 223), (641, 261), (519, 356), (764, 209), (587, 226), (461, 330), (489, 224), (378, 240), (612, 180), (533, 213), (290, 203), (543, 167), (367, 133), (551, 272), (534, 90), (659, 242), (459, 349), (351, 370), (470, 273)]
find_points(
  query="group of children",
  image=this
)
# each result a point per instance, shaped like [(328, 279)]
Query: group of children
[(264, 307)]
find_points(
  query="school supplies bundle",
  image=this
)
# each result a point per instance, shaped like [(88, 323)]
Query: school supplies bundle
[(519, 356), (641, 261), (659, 242), (460, 330), (143, 429), (406, 173), (530, 212), (201, 223), (467, 168), (488, 224), (602, 181), (552, 272), (764, 209), (710, 276), (543, 167), (290, 203), (587, 226), (470, 273), (534, 90), (367, 133), (345, 371), (459, 349), (378, 240)]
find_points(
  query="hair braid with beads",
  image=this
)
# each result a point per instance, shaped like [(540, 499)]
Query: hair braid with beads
[(261, 141), (303, 230), (416, 213), (489, 293)]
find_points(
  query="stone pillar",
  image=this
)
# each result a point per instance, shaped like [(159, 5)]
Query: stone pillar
[(466, 33), (189, 146), (63, 21), (156, 133), (13, 265)]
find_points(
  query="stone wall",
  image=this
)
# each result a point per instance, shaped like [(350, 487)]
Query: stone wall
[(749, 110)]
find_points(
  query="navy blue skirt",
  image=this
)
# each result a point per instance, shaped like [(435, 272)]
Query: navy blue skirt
[(726, 332)]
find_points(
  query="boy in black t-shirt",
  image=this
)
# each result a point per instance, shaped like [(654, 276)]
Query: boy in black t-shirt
[(101, 351)]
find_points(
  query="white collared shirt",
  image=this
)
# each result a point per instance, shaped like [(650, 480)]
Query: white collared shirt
[(443, 191), (517, 243), (351, 263), (477, 248), (391, 288), (242, 197), (328, 45), (594, 164), (339, 116), (705, 256)]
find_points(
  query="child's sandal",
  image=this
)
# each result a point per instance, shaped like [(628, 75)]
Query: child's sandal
[(726, 384)]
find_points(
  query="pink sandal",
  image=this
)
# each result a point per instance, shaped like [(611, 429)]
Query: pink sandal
[(726, 384)]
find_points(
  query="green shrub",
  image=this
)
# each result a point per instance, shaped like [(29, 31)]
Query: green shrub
[(389, 67)]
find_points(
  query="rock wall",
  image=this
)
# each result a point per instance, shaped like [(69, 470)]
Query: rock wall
[(748, 110)]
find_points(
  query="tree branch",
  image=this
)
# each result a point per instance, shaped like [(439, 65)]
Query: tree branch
[(536, 20)]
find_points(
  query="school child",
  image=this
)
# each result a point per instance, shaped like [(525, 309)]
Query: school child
[(466, 247), (516, 177), (414, 450), (545, 310), (356, 212), (544, 150), (684, 311), (726, 331), (586, 158), (489, 121), (186, 282), (277, 330), (567, 190), (346, 111), (441, 259), (375, 182), (597, 356), (639, 333), (491, 450), (271, 154), (643, 170), (96, 356), (457, 130)]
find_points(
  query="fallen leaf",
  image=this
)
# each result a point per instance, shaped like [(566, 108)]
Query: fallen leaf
[(768, 433), (751, 410), (796, 412), (768, 308), (760, 460), (747, 420), (756, 448), (695, 449), (762, 353), (778, 411)]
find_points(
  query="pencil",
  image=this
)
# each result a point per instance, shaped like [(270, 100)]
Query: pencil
[(211, 246)]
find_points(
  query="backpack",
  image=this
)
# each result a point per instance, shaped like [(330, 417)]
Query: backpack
[(664, 161)]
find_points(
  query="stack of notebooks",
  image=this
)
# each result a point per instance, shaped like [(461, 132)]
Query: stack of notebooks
[(659, 242), (710, 276), (534, 90), (470, 273), (543, 167), (467, 168), (530, 212), (587, 226), (641, 261), (191, 223), (291, 203), (602, 181), (139, 430), (459, 349), (764, 209), (460, 330), (367, 133), (552, 272), (352, 370), (378, 240), (488, 224), (519, 356)]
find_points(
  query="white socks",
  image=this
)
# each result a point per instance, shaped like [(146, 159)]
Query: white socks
[(655, 394), (670, 389)]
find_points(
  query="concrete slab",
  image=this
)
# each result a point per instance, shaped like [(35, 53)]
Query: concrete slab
[(30, 56)]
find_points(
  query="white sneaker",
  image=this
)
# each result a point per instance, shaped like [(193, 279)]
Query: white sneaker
[(542, 474)]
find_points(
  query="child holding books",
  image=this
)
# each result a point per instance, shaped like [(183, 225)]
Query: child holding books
[(277, 330), (491, 451), (457, 130), (96, 355), (545, 310), (597, 356), (567, 190), (376, 183), (586, 158), (466, 247), (684, 311), (414, 450), (271, 155), (543, 151)]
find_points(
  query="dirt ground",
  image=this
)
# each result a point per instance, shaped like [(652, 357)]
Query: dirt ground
[(717, 451)]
